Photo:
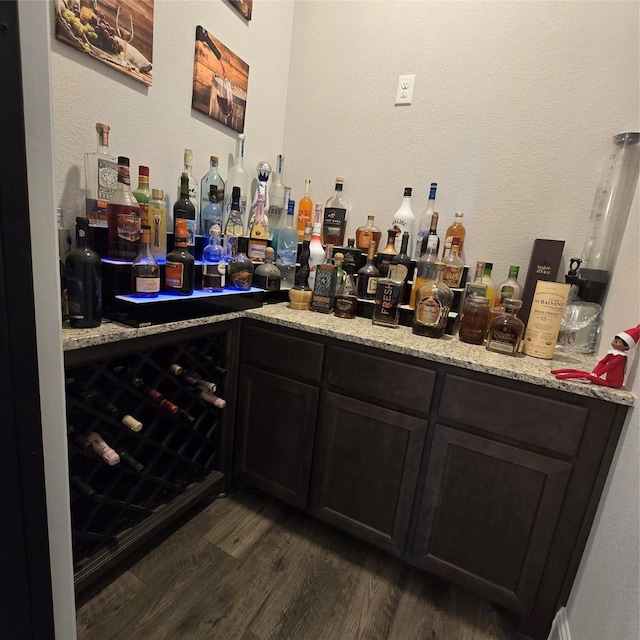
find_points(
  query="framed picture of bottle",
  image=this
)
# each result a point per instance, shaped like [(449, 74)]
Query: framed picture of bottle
[(220, 81), (116, 32)]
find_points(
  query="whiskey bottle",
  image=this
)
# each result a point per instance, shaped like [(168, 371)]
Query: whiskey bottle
[(368, 276), (352, 257), (386, 255), (211, 179), (455, 230), (423, 267), (505, 332), (336, 211), (404, 220), (158, 220), (346, 303), (145, 272), (367, 233), (183, 209), (305, 210), (83, 278), (453, 266), (180, 268), (214, 267), (266, 275), (386, 310), (324, 288), (101, 177), (427, 224), (142, 194), (432, 303), (240, 268), (123, 217)]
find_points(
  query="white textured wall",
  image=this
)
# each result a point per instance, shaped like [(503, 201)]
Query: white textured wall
[(153, 125)]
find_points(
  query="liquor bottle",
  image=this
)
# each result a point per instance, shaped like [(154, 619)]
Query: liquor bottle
[(183, 209), (316, 250), (404, 220), (159, 223), (277, 203), (101, 177), (83, 276), (426, 223), (453, 266), (474, 319), (510, 288), (386, 309), (95, 442), (211, 179), (214, 267), (338, 259), (366, 233), (433, 233), (258, 235), (477, 287), (368, 276), (455, 230), (194, 188), (145, 272), (123, 217), (282, 222), (263, 171), (505, 332), (324, 288), (336, 212), (423, 267), (433, 300), (491, 285), (287, 250), (142, 194), (267, 275), (300, 294), (240, 268), (386, 255), (93, 398), (346, 303), (211, 213), (305, 210), (238, 177), (402, 258), (352, 257), (234, 226), (180, 268)]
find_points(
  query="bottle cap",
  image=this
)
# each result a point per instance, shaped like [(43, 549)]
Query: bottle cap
[(479, 299), (143, 171), (100, 127), (408, 191), (512, 302), (123, 160), (458, 214), (214, 159), (158, 194)]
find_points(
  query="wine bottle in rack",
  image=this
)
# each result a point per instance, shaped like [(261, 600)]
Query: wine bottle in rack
[(138, 383), (194, 380), (213, 399), (93, 398), (131, 462), (95, 442), (82, 487)]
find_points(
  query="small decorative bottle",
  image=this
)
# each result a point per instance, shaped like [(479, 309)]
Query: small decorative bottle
[(475, 317), (368, 276), (267, 275), (366, 233), (453, 265), (386, 255), (214, 268), (346, 303), (301, 293), (505, 332), (335, 217), (324, 288), (145, 273), (404, 220), (433, 301), (158, 222), (240, 269), (180, 268), (386, 310)]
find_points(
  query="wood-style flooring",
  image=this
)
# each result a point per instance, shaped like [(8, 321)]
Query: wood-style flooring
[(247, 567)]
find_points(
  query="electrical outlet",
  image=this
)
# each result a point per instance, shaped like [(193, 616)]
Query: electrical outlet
[(405, 89)]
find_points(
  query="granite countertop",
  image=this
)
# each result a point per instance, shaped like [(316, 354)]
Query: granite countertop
[(446, 350)]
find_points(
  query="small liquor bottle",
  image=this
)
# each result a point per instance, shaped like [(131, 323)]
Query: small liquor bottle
[(423, 266), (180, 268), (84, 281), (432, 304), (101, 176), (240, 268), (324, 288), (183, 209), (287, 249), (368, 276), (346, 303), (267, 275), (404, 220), (234, 225), (214, 268), (211, 213), (453, 265), (366, 233), (123, 217), (305, 210), (386, 310), (145, 272), (258, 234), (211, 179), (455, 230), (143, 195), (336, 211), (158, 221), (505, 332), (386, 255), (300, 294), (475, 317), (427, 225)]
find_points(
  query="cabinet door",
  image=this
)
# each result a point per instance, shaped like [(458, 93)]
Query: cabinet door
[(275, 428), (365, 470), (487, 516)]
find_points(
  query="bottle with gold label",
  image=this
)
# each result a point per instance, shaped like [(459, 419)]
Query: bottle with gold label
[(386, 255), (432, 303), (453, 265), (368, 276), (505, 332), (158, 221), (455, 230), (366, 233)]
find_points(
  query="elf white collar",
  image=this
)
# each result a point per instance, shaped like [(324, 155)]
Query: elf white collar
[(617, 352)]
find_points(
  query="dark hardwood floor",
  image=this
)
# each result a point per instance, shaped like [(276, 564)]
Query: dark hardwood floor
[(248, 567)]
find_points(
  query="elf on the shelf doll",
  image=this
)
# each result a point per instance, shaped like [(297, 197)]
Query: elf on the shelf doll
[(609, 372)]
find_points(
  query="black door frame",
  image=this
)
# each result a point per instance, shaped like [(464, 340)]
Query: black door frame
[(26, 609)]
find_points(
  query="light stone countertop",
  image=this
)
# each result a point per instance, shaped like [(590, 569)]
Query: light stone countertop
[(446, 350)]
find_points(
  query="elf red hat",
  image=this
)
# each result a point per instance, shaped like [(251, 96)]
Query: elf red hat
[(630, 336)]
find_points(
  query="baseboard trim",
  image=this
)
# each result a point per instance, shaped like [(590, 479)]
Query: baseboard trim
[(560, 628)]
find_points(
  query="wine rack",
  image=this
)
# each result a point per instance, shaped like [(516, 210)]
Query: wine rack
[(177, 457)]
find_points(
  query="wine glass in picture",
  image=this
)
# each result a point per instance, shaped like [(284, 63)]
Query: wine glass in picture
[(224, 96), (124, 25)]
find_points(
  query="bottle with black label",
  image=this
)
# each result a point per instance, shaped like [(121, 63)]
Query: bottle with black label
[(334, 222), (324, 286)]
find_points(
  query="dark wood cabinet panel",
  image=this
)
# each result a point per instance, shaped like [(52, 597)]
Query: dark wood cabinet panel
[(275, 432), (365, 470)]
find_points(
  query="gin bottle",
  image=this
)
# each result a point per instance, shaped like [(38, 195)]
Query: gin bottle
[(101, 177), (287, 250)]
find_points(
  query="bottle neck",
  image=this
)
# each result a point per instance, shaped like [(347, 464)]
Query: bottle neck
[(184, 186), (124, 178), (434, 223), (103, 140), (240, 152)]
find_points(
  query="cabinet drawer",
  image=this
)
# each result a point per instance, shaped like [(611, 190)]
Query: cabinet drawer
[(381, 380), (292, 356), (524, 417)]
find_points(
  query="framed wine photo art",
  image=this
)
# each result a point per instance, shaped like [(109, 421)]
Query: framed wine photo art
[(220, 81), (243, 7), (116, 32)]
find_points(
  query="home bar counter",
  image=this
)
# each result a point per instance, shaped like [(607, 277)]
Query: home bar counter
[(480, 468)]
